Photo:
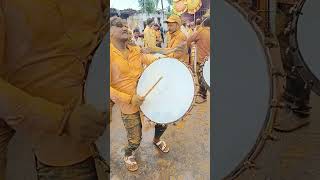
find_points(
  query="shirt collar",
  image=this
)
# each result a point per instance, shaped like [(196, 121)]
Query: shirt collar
[(115, 50), (175, 33)]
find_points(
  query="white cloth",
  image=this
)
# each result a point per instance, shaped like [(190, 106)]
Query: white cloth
[(185, 31), (138, 42)]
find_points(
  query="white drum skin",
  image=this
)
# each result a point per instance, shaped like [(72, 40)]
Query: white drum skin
[(172, 97), (206, 71)]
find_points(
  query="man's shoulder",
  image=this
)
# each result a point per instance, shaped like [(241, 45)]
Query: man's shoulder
[(182, 35), (134, 48)]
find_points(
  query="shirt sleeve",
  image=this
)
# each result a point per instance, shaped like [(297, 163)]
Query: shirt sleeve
[(178, 54), (148, 59), (193, 38), (117, 96)]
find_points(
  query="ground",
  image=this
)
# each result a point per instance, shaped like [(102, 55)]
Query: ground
[(294, 156), (189, 156)]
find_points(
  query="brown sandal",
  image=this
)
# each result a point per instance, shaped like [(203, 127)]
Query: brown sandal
[(162, 146), (131, 163)]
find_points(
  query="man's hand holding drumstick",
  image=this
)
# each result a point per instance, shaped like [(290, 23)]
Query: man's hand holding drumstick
[(138, 100)]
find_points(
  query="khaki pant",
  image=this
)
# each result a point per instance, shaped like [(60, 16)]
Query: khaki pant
[(202, 84), (133, 125)]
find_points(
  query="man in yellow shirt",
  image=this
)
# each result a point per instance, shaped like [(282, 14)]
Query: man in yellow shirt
[(174, 38), (125, 69), (201, 38), (158, 34), (150, 39)]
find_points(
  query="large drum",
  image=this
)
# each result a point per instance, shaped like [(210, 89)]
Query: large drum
[(168, 87), (304, 41), (242, 91), (205, 71)]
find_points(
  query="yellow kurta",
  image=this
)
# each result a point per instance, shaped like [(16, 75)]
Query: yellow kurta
[(174, 40), (124, 75), (150, 38)]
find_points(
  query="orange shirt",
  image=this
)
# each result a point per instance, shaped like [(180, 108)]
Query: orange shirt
[(174, 40), (124, 75), (150, 39), (202, 39)]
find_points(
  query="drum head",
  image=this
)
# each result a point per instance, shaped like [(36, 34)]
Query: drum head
[(206, 71), (308, 28), (242, 90), (172, 97)]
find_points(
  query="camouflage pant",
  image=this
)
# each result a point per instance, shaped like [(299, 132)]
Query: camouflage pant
[(202, 84), (133, 125), (82, 171)]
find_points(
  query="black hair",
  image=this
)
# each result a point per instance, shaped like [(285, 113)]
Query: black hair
[(136, 30), (149, 21)]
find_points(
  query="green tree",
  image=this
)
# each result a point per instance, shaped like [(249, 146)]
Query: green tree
[(148, 6), (169, 8)]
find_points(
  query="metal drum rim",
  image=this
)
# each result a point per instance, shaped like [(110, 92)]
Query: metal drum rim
[(193, 99), (207, 58), (273, 97)]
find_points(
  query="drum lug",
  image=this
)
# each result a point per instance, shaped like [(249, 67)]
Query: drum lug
[(276, 104), (271, 42), (270, 136), (290, 49), (256, 19), (292, 10), (250, 165), (277, 73), (288, 30), (295, 69), (309, 84)]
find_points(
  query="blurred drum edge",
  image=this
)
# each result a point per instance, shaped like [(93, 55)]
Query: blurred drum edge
[(302, 58), (272, 52)]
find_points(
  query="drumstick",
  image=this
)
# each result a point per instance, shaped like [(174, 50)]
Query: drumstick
[(152, 87)]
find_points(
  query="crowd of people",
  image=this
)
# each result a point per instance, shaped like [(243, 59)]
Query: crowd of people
[(187, 41)]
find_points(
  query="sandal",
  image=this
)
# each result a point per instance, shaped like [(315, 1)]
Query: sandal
[(162, 146), (131, 163)]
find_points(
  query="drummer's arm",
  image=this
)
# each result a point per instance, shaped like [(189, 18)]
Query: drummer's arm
[(179, 50), (147, 59), (193, 38), (119, 97), (163, 51)]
